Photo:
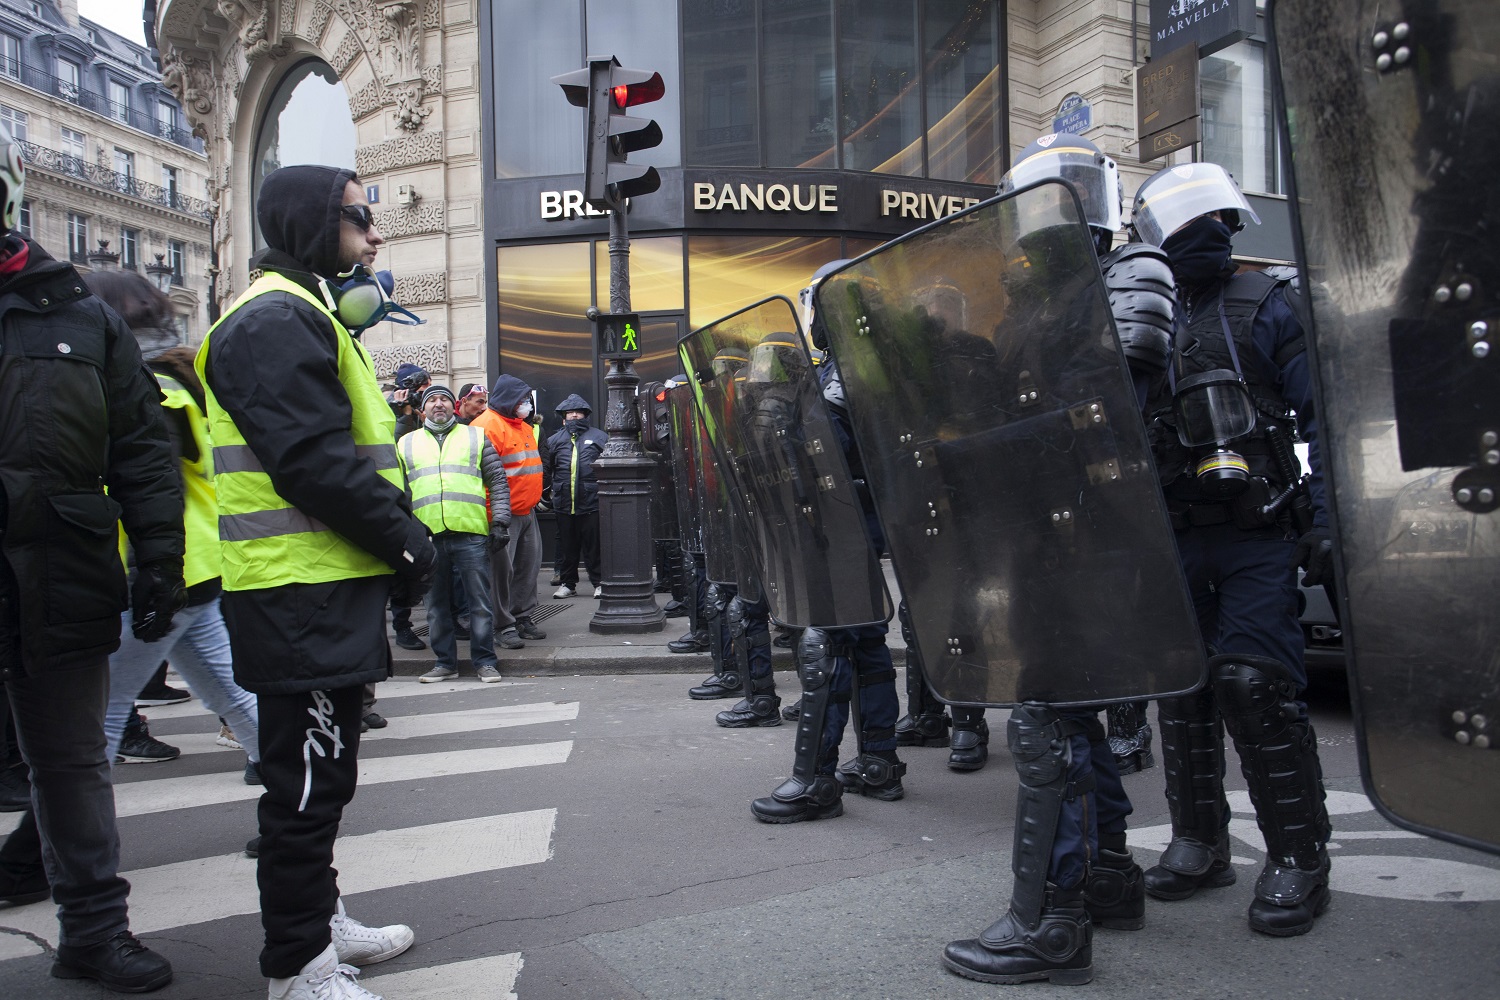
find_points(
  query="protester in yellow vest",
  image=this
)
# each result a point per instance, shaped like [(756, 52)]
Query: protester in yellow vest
[(458, 488), (316, 534)]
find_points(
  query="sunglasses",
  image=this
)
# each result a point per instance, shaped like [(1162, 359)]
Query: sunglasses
[(358, 216)]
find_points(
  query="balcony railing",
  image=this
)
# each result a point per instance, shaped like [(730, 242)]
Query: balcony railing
[(80, 169), (73, 93)]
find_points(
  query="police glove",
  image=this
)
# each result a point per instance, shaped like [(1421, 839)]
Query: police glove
[(1314, 553), (156, 596), (499, 537), (414, 570)]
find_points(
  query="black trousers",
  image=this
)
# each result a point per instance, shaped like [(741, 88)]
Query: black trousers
[(309, 760), (579, 537)]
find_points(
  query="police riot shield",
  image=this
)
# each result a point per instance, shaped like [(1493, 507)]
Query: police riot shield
[(773, 430), (686, 481), (655, 417), (727, 554), (1008, 459), (1395, 135)]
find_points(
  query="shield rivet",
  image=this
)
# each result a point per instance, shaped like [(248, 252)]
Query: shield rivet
[(1464, 495), (1479, 722), (932, 513), (1056, 518), (1479, 329), (1032, 397), (919, 463), (1482, 349), (1464, 291), (1402, 31), (1442, 294), (1460, 717), (1380, 39), (1489, 439), (1482, 741), (64, 349), (1023, 397), (1462, 736), (1403, 54), (1486, 496), (1383, 62), (1492, 458)]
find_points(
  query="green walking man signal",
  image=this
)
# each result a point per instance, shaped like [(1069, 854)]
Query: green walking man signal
[(617, 336)]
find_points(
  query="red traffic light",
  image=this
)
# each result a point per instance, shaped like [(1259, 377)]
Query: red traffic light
[(630, 93)]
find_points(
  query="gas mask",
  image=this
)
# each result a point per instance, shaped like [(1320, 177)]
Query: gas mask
[(1213, 409), (364, 299)]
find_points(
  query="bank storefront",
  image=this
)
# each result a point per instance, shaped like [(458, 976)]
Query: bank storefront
[(794, 133)]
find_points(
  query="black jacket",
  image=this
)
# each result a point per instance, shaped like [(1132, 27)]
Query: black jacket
[(557, 462), (81, 414), (273, 366)]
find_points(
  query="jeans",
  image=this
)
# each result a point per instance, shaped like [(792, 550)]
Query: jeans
[(198, 647), (59, 719), (466, 555)]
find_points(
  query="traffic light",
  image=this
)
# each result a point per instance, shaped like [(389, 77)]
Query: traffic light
[(606, 89)]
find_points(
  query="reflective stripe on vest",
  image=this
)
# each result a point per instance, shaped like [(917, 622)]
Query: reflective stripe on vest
[(264, 540), (447, 488), (200, 513), (573, 478)]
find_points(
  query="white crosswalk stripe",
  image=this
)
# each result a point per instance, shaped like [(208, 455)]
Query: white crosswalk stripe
[(182, 894)]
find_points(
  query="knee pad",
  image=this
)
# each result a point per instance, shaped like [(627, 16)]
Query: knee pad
[(815, 659), (1255, 694), (1037, 744)]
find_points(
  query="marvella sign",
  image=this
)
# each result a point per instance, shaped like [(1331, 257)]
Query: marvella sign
[(1213, 24)]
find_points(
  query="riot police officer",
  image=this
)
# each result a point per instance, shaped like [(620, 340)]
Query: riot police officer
[(1080, 874), (1238, 388)]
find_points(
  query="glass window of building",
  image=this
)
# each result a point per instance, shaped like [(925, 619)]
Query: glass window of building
[(961, 74), (720, 84), (1238, 131), (124, 163), (545, 338), (642, 35), (177, 257), (306, 121), (67, 78), (78, 236), (119, 101), (16, 121), (166, 118), (727, 273), (73, 147), (10, 55), (655, 274), (880, 96), (536, 132), (169, 184), (798, 82), (24, 222), (130, 248)]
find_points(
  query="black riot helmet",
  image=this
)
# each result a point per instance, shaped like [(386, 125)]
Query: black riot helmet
[(779, 359), (1078, 161), (810, 323)]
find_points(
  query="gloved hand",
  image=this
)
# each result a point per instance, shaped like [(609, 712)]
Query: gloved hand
[(545, 503), (156, 596), (499, 537), (1314, 553), (414, 572)]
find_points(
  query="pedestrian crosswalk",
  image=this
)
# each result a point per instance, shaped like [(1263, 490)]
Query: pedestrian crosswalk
[(405, 764)]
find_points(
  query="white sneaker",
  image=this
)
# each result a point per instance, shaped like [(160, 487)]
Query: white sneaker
[(226, 738), (321, 979), (598, 593), (563, 592), (359, 945)]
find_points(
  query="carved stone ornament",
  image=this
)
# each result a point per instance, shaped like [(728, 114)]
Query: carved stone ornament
[(419, 220), (403, 151), (192, 80), (431, 356), (321, 15), (253, 18), (421, 289), (366, 100), (410, 115)]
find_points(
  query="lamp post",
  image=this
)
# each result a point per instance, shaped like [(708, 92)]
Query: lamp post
[(161, 273), (103, 257)]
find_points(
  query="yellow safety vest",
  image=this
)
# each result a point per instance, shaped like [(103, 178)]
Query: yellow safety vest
[(447, 490), (265, 541), (200, 516)]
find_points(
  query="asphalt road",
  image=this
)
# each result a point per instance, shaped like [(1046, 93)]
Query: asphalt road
[(590, 837)]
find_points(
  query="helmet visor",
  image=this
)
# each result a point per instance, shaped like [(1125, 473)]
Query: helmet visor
[(1171, 198), (1090, 173)]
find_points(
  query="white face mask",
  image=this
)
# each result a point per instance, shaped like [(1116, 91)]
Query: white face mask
[(524, 410)]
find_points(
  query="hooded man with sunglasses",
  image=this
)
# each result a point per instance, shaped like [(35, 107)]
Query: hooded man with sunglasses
[(316, 533)]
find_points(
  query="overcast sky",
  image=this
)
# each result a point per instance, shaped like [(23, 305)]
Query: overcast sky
[(123, 17)]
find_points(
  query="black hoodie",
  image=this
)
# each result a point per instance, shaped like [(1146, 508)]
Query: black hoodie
[(273, 366)]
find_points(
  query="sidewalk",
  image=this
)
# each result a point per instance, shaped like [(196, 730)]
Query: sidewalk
[(570, 648)]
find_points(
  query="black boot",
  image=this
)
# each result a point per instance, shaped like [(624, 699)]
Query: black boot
[(1130, 737), (925, 724), (792, 712), (121, 964), (1116, 892), (1059, 948), (875, 774), (796, 802), (690, 642), (1192, 753), (760, 707), (1279, 757), (717, 686), (971, 740)]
